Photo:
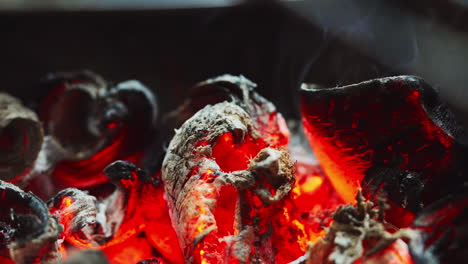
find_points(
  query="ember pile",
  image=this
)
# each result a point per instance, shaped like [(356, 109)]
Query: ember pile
[(92, 175)]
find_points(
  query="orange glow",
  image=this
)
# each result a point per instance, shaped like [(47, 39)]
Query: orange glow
[(343, 180), (67, 201), (200, 228), (302, 239), (351, 132), (311, 184), (146, 228), (286, 213), (306, 213), (202, 254), (348, 141)]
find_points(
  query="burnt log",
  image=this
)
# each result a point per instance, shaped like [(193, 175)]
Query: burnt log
[(89, 124), (393, 136), (21, 137), (29, 234), (226, 173)]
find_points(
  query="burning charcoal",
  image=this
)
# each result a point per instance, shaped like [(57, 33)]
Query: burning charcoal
[(358, 235), (90, 124), (226, 175), (217, 90), (79, 213), (393, 136), (28, 233), (309, 210), (20, 138), (442, 230), (220, 89), (128, 225)]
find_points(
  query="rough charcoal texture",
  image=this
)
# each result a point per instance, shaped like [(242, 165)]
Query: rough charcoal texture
[(89, 124), (130, 224), (220, 160), (442, 230), (21, 137), (32, 232), (358, 235), (392, 136), (232, 189)]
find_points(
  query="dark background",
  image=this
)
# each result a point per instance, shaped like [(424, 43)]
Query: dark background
[(275, 44)]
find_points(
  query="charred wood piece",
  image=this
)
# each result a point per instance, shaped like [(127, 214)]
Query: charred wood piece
[(392, 136), (231, 149), (442, 230), (29, 233), (21, 137), (135, 209), (90, 123)]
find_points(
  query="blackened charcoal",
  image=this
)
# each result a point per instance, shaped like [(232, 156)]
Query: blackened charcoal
[(90, 123), (404, 187), (442, 230), (97, 109), (392, 134), (30, 233), (24, 212), (230, 88), (121, 170), (235, 89), (125, 170)]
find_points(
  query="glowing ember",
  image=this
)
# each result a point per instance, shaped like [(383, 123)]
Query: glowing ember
[(388, 136), (227, 190), (109, 124), (239, 178)]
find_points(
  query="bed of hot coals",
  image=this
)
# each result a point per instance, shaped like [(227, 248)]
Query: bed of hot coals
[(92, 175)]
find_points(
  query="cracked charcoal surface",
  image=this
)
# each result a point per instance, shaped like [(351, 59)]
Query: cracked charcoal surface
[(246, 116), (393, 136)]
